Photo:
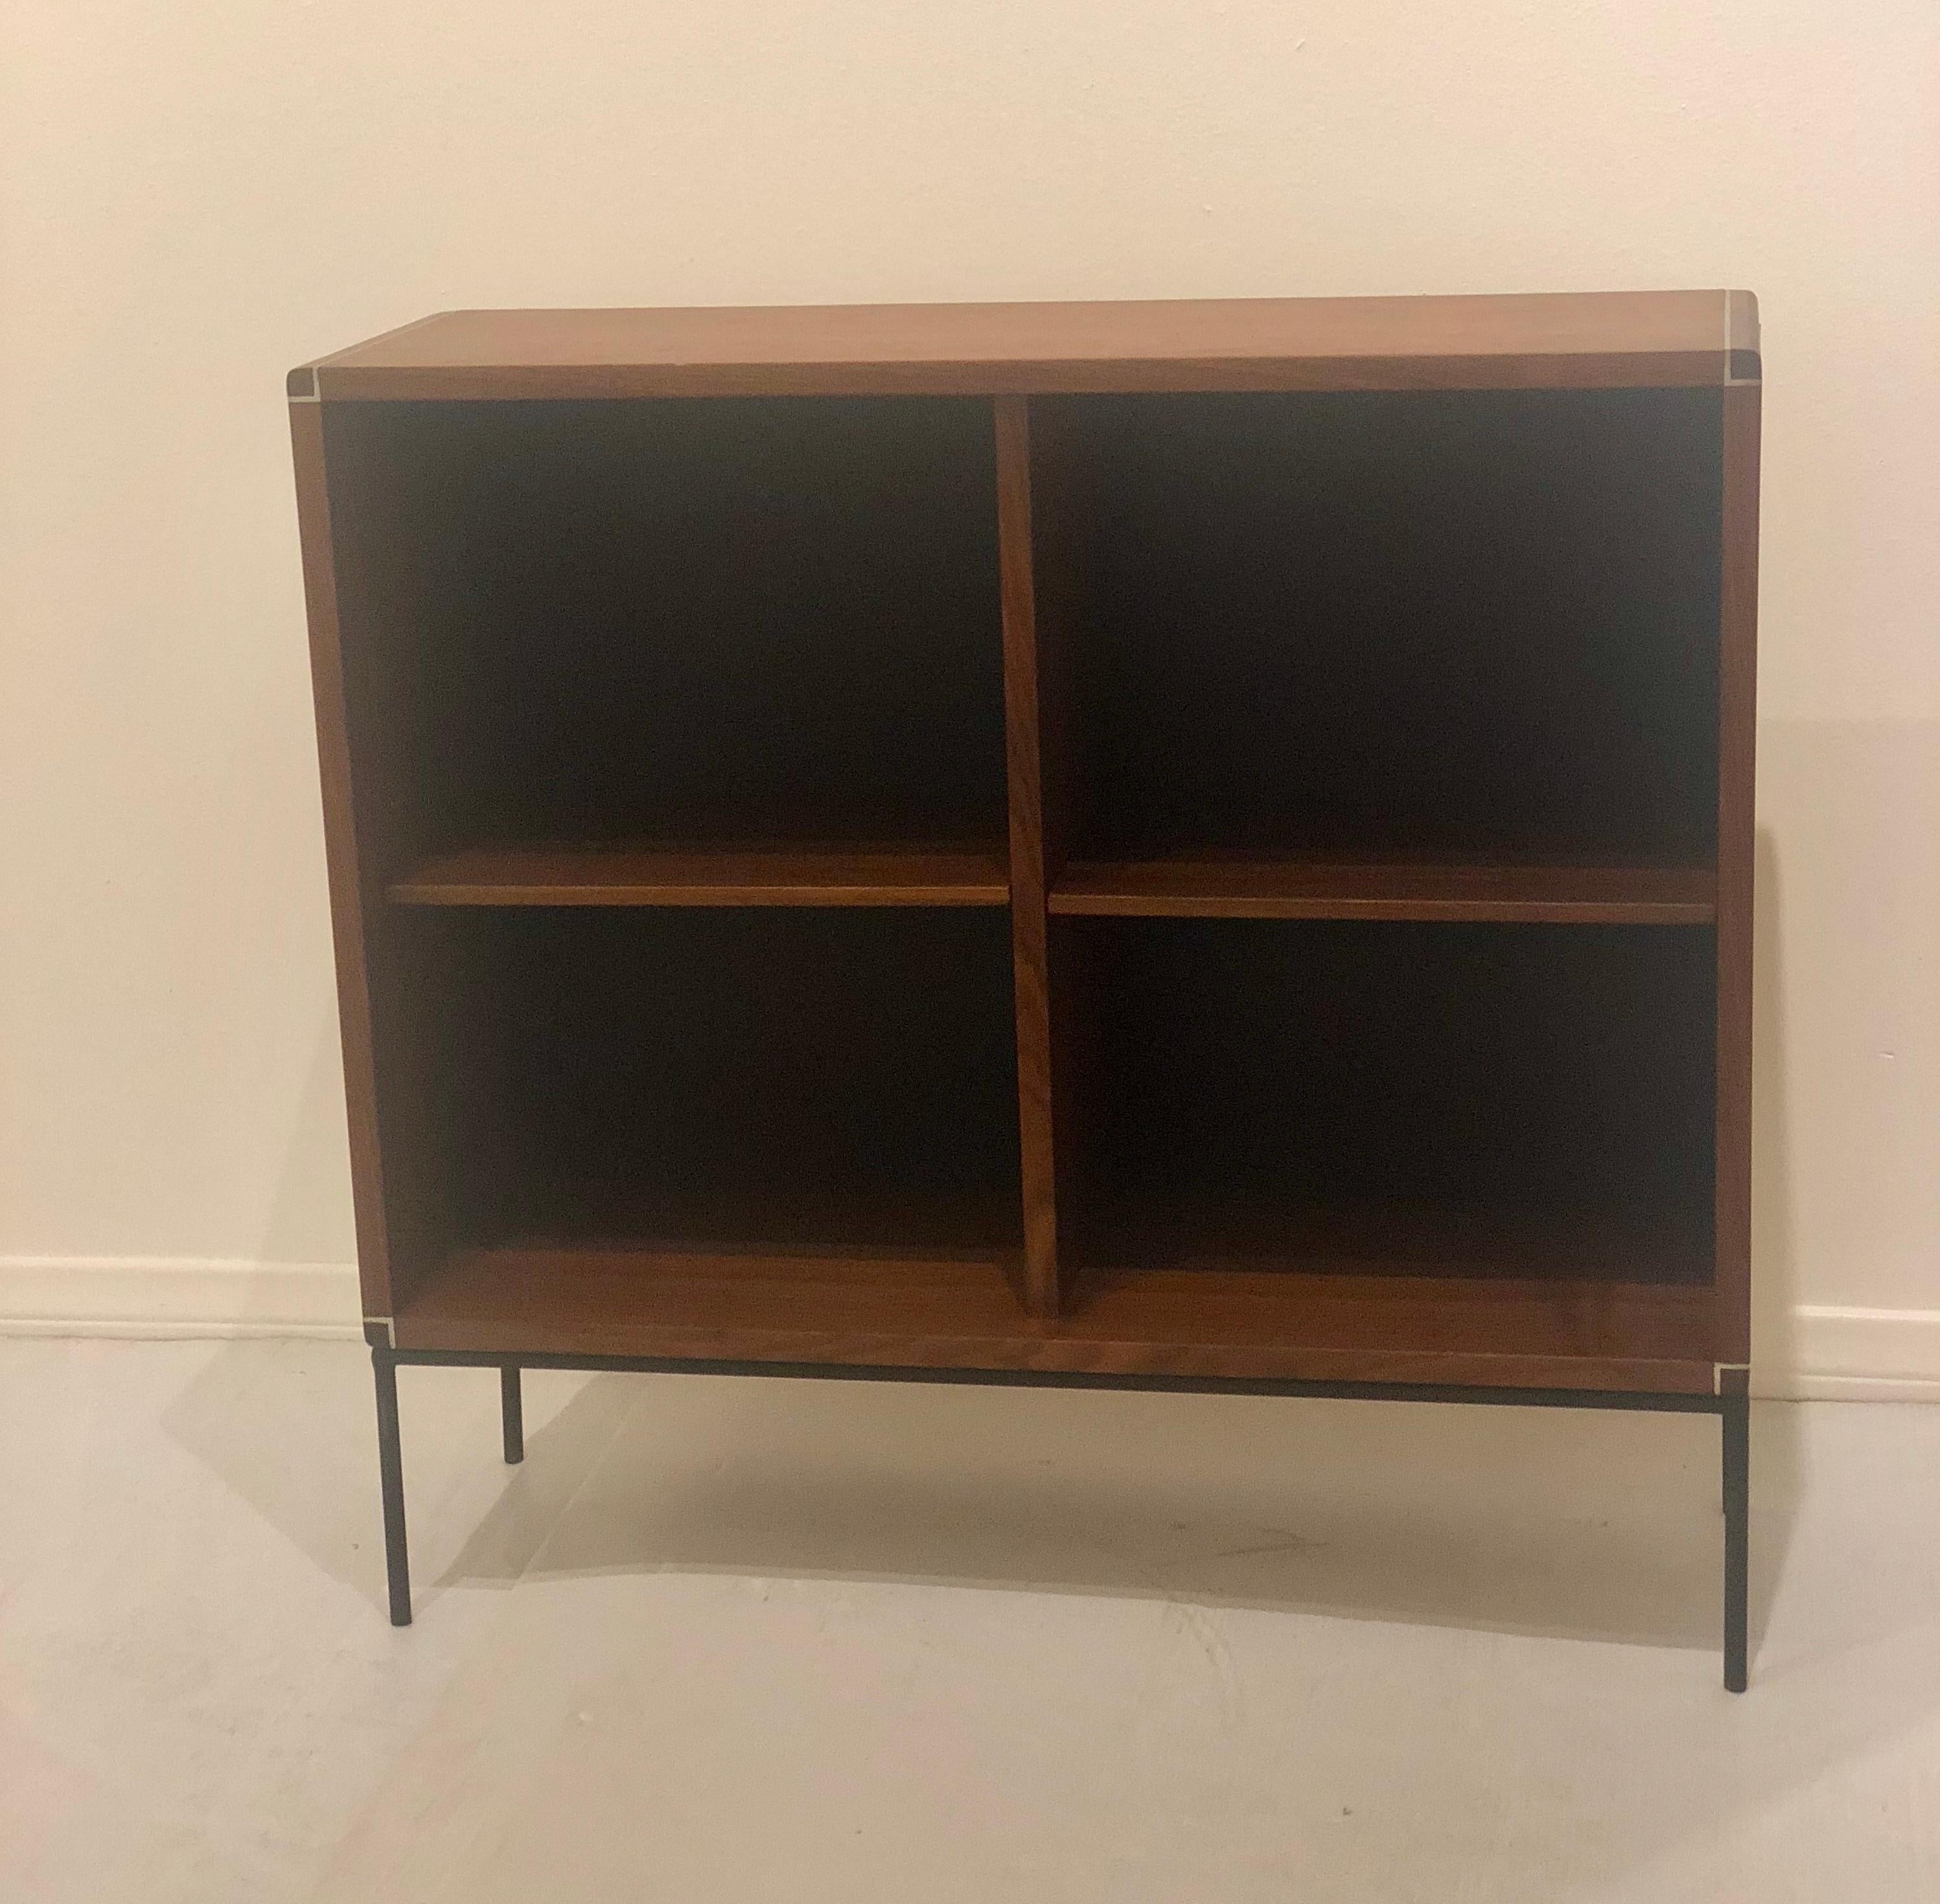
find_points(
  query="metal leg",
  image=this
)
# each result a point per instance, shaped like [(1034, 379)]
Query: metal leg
[(513, 1407), (391, 1472), (1737, 1423)]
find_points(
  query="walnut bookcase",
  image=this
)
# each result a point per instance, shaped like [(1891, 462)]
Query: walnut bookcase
[(1192, 845)]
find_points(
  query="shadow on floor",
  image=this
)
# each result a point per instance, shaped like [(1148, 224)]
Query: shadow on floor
[(1588, 1524)]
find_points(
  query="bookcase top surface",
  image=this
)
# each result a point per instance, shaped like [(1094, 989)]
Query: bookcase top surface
[(1555, 340)]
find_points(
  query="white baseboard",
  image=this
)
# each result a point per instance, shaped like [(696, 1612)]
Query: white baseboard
[(1827, 1353), (1833, 1354), (163, 1297)]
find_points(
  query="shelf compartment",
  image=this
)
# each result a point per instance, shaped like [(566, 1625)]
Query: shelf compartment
[(960, 1311), (1467, 1101), (755, 619), (1476, 625), (1233, 886), (706, 875), (752, 1079)]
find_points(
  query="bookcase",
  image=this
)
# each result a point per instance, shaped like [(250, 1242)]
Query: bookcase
[(1188, 846)]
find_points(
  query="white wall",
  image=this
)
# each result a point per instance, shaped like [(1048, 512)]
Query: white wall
[(196, 195)]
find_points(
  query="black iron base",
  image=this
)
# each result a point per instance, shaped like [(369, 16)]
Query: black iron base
[(512, 1409), (1732, 1408), (1734, 1412)]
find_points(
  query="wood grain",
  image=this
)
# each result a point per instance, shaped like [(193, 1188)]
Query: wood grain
[(958, 1312), (1266, 886), (1064, 609), (1555, 341), (1029, 930), (701, 875)]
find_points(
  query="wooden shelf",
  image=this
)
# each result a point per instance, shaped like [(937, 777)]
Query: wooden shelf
[(1267, 886), (1656, 338), (706, 875), (961, 1311)]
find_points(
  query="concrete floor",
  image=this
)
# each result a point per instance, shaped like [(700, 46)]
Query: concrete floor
[(749, 1639)]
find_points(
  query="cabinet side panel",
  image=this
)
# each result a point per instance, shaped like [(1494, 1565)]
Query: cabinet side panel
[(1738, 741), (346, 889), (1024, 753)]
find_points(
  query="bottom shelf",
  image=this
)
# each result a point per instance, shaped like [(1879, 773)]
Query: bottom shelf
[(961, 1310)]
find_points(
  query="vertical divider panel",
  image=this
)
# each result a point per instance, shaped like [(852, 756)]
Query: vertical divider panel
[(1034, 848), (1737, 739)]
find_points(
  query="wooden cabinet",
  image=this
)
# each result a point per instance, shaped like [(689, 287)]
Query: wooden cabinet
[(1196, 844)]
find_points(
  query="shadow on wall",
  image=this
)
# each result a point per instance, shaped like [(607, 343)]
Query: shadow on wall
[(1774, 1270), (308, 1217), (1777, 1460), (1847, 1200)]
